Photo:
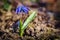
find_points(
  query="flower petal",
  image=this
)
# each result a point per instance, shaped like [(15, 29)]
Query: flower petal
[(18, 9)]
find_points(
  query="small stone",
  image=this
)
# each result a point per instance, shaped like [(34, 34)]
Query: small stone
[(7, 30), (10, 28)]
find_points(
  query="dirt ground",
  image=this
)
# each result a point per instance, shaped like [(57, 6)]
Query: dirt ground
[(41, 28)]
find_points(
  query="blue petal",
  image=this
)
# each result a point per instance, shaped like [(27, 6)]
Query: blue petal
[(22, 8), (18, 9), (18, 23), (25, 8), (25, 11)]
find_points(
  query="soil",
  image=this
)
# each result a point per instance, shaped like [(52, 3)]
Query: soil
[(41, 28)]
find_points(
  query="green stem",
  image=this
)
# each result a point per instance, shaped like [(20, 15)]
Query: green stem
[(21, 32), (9, 9)]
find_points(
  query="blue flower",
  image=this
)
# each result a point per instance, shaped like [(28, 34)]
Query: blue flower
[(18, 22), (22, 9), (15, 26)]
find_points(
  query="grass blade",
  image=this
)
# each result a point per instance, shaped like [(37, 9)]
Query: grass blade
[(20, 26), (29, 19)]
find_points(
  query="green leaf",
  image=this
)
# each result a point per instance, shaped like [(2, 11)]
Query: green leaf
[(21, 23), (29, 19), (5, 1), (24, 26), (6, 6), (20, 26), (33, 0)]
